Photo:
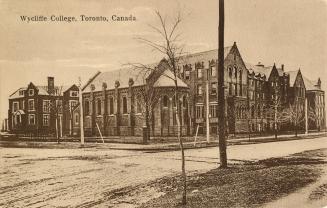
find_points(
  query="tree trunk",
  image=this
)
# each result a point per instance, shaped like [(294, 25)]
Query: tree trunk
[(147, 124), (221, 96)]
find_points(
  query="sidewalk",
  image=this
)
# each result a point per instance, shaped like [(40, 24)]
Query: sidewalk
[(213, 143), (172, 146)]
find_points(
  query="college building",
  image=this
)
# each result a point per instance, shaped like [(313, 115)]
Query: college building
[(258, 98)]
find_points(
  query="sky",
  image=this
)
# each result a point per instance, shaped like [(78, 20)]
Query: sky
[(292, 32)]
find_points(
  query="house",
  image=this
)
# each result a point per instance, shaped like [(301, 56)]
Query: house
[(40, 110)]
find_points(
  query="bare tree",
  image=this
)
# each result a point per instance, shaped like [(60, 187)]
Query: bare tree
[(55, 108), (276, 114), (171, 48), (147, 95), (294, 116), (313, 118)]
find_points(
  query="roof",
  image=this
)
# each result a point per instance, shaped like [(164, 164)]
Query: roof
[(309, 84), (167, 80), (43, 90), (293, 75), (122, 75), (204, 56), (259, 70), (125, 74)]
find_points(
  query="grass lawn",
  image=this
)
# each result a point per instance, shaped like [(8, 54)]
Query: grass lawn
[(243, 185)]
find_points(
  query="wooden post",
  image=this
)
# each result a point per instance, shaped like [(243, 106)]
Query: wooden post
[(207, 112), (306, 115), (221, 90), (81, 112)]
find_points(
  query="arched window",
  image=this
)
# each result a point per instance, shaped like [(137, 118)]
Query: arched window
[(230, 72), (99, 107), (174, 101), (235, 72), (87, 107), (252, 111), (165, 101), (184, 102), (111, 106), (124, 105)]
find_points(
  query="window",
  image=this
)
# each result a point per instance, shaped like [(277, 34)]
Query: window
[(31, 119), (46, 106), (59, 105), (73, 93), (187, 74), (252, 111), (46, 120), (213, 71), (76, 119), (138, 106), (72, 103), (111, 106), (30, 92), (185, 104), (31, 105), (15, 106), (213, 111), (199, 111), (235, 72), (165, 101), (199, 73), (21, 92), (23, 104), (87, 107), (230, 70), (124, 105), (98, 107), (214, 88), (199, 89)]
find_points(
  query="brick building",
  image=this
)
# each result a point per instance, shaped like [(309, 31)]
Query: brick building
[(114, 102), (35, 109), (251, 91)]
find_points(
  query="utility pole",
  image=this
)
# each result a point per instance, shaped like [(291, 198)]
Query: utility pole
[(81, 111), (306, 114), (207, 112), (221, 96)]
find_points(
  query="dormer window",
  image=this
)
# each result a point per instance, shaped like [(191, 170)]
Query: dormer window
[(21, 92), (31, 92), (73, 93)]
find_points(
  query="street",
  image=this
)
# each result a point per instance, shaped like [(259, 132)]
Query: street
[(102, 177)]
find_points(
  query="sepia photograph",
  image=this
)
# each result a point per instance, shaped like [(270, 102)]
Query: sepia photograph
[(175, 103)]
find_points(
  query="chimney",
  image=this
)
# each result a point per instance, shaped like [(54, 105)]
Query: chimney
[(51, 87), (260, 64), (283, 67)]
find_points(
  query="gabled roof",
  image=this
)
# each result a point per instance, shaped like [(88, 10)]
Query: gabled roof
[(122, 75), (203, 56), (259, 70), (138, 75), (166, 79), (293, 75), (309, 86), (43, 90)]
